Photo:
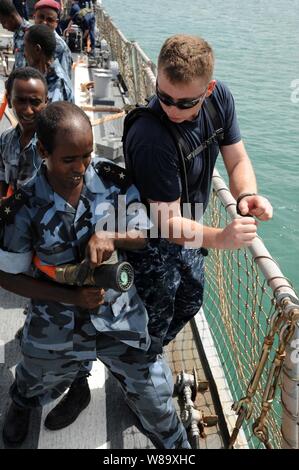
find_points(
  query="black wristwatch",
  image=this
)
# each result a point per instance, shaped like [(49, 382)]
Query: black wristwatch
[(240, 199)]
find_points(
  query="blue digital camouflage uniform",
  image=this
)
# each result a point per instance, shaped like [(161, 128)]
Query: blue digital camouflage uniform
[(179, 273), (17, 165), (58, 339), (18, 44), (64, 55), (59, 85)]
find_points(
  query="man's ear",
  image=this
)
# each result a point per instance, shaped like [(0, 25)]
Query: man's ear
[(211, 87), (41, 150), (38, 48)]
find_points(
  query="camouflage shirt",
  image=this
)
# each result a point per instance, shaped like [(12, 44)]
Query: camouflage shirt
[(64, 55), (48, 226), (18, 44), (59, 85), (17, 165)]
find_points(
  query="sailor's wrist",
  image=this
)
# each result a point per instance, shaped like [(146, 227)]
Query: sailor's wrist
[(242, 196)]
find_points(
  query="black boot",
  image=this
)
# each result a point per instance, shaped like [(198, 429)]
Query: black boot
[(71, 405), (16, 424)]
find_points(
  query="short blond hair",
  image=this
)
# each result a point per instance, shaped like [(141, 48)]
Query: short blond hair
[(184, 58)]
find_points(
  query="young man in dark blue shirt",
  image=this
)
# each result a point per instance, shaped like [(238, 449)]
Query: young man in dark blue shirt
[(170, 276), (85, 19)]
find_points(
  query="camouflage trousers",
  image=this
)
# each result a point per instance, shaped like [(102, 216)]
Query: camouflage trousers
[(145, 379), (170, 281)]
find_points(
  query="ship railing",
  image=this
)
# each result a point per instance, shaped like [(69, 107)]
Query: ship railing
[(252, 311), (137, 70)]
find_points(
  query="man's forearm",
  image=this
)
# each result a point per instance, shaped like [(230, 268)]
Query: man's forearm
[(131, 240), (242, 179), (26, 286), (239, 169), (187, 232)]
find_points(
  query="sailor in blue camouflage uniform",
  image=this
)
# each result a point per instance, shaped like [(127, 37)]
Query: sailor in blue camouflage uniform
[(17, 164), (12, 21), (40, 47), (66, 327), (47, 12), (26, 91)]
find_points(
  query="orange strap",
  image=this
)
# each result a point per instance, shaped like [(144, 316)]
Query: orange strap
[(3, 106), (10, 191), (88, 44), (50, 271)]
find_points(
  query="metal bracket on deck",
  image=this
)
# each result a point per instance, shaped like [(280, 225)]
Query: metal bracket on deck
[(194, 420)]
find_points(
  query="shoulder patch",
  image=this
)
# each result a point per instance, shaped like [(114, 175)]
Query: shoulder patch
[(114, 173), (11, 205)]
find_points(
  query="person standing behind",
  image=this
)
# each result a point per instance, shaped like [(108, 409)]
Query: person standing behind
[(40, 44), (86, 3), (11, 20), (26, 90), (170, 276), (21, 7), (47, 12), (85, 19)]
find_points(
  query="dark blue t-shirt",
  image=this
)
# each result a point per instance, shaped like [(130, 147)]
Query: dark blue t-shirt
[(154, 159)]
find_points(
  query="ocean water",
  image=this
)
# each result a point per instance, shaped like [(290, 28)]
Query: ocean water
[(256, 44)]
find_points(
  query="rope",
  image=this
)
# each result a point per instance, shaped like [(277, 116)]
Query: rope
[(108, 118)]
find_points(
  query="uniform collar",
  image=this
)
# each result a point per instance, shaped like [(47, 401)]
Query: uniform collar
[(93, 181), (18, 134), (44, 192)]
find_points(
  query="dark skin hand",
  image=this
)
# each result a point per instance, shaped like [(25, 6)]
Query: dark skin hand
[(102, 244), (85, 297)]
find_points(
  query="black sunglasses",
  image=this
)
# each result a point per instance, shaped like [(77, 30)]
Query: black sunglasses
[(183, 104)]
